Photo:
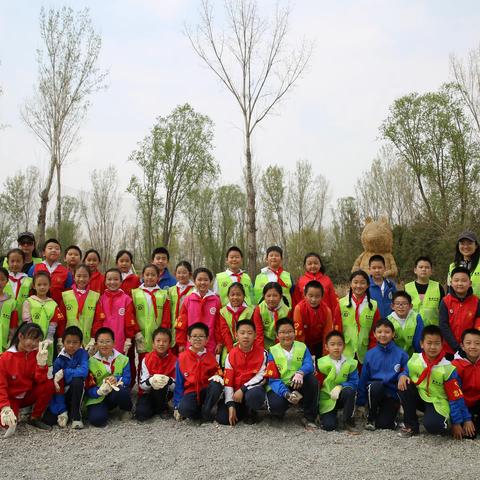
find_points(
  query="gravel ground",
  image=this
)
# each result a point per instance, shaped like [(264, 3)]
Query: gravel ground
[(169, 450)]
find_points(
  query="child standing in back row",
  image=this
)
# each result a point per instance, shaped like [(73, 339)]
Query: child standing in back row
[(19, 283), (160, 258), (124, 261), (97, 280), (381, 288), (8, 314)]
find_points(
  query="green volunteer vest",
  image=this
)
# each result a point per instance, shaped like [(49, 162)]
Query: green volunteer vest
[(474, 276), (41, 314), (35, 261), (269, 334), (173, 297), (100, 372), (428, 307), (23, 294), (332, 379), (356, 342), (85, 321), (8, 307), (146, 316), (404, 336), (245, 315), (288, 370), (223, 283), (262, 280), (436, 393)]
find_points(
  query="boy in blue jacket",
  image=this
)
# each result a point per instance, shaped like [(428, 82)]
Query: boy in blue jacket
[(379, 378), (290, 375), (70, 371), (381, 289)]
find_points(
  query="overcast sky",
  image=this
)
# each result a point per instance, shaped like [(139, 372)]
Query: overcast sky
[(367, 54)]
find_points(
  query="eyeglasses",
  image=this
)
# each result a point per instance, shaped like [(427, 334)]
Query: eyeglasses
[(197, 337), (400, 304), (104, 342)]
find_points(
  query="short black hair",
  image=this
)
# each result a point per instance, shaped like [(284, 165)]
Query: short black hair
[(385, 322), (283, 321), (470, 331), (104, 330), (28, 330), (401, 294), (51, 240), (424, 258), (85, 267), (151, 265), (73, 331), (376, 258), (313, 284), (163, 331), (233, 248), (73, 247), (161, 250), (114, 269), (274, 248), (431, 330), (200, 326), (236, 285), (334, 333), (245, 322), (202, 270), (460, 270), (316, 255)]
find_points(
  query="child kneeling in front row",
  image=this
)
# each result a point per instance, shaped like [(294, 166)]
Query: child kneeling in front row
[(290, 375), (157, 377), (245, 367), (339, 382), (108, 381), (198, 378), (70, 371), (430, 383)]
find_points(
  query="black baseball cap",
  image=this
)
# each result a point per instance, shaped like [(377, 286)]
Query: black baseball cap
[(468, 235), (26, 236)]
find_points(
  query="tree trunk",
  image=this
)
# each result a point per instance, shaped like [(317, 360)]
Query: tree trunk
[(58, 214), (251, 213), (42, 212)]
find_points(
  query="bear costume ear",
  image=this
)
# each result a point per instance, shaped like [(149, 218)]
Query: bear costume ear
[(368, 220), (383, 220)]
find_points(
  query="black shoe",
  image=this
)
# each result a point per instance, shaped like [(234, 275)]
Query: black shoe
[(37, 423), (251, 418)]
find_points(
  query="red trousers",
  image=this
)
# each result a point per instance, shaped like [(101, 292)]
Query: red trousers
[(39, 396)]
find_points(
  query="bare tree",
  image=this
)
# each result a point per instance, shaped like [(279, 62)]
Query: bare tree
[(67, 76), (101, 212), (252, 60)]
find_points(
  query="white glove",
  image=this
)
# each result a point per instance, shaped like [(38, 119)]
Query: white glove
[(216, 378), (91, 348), (7, 417), (297, 380), (158, 381), (177, 416), (294, 397), (127, 345), (104, 389), (42, 355), (56, 380), (62, 420), (140, 343), (116, 386), (59, 345), (335, 393)]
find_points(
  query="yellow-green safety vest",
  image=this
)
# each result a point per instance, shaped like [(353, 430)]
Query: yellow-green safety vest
[(288, 369), (85, 322), (224, 280), (23, 294), (474, 277), (326, 366), (404, 336), (262, 280), (35, 260), (8, 307), (428, 307), (356, 342), (268, 321)]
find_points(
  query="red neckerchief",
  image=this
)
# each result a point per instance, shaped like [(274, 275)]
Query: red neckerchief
[(313, 276), (278, 273), (235, 315), (154, 299), (111, 365), (18, 282), (238, 276), (180, 295), (428, 370), (81, 297), (275, 315), (357, 303)]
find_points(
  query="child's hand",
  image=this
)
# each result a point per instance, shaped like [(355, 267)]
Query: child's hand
[(457, 431), (297, 380), (104, 389), (111, 380), (216, 378), (232, 416), (218, 349), (177, 416), (91, 347), (335, 393), (403, 382), (59, 345), (42, 355), (238, 396), (469, 429), (56, 380), (127, 345), (140, 343)]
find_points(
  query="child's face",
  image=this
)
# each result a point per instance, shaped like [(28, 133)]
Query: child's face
[(105, 344), (15, 262), (383, 334), (3, 281), (286, 336), (431, 345), (72, 258), (92, 261), (124, 263), (81, 278), (359, 285), (245, 337), (113, 281), (312, 265), (471, 346), (467, 247), (461, 283), (274, 260), (377, 269), (71, 344), (202, 282), (52, 252), (236, 297), (150, 277), (161, 343), (423, 270), (198, 340), (272, 298), (27, 344), (335, 347), (314, 297), (234, 261), (182, 275), (161, 261), (41, 286), (401, 306)]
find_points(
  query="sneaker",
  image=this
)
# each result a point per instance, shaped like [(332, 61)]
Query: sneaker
[(370, 426), (308, 424), (62, 420), (77, 425), (125, 415), (406, 432), (351, 428), (37, 423)]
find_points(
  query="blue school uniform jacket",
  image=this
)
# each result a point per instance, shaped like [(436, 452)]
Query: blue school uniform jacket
[(384, 302), (167, 280)]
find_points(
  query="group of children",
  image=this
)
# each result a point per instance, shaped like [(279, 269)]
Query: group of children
[(74, 342)]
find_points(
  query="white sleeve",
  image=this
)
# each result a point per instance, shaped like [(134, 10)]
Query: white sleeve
[(228, 391), (258, 378), (215, 286), (144, 376)]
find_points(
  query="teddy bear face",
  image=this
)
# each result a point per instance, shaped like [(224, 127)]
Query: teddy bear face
[(377, 236)]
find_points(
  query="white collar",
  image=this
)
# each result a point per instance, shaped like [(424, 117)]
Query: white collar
[(236, 308), (51, 268), (208, 294)]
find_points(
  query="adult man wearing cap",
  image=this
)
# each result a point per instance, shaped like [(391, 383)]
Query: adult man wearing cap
[(467, 254), (26, 242)]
